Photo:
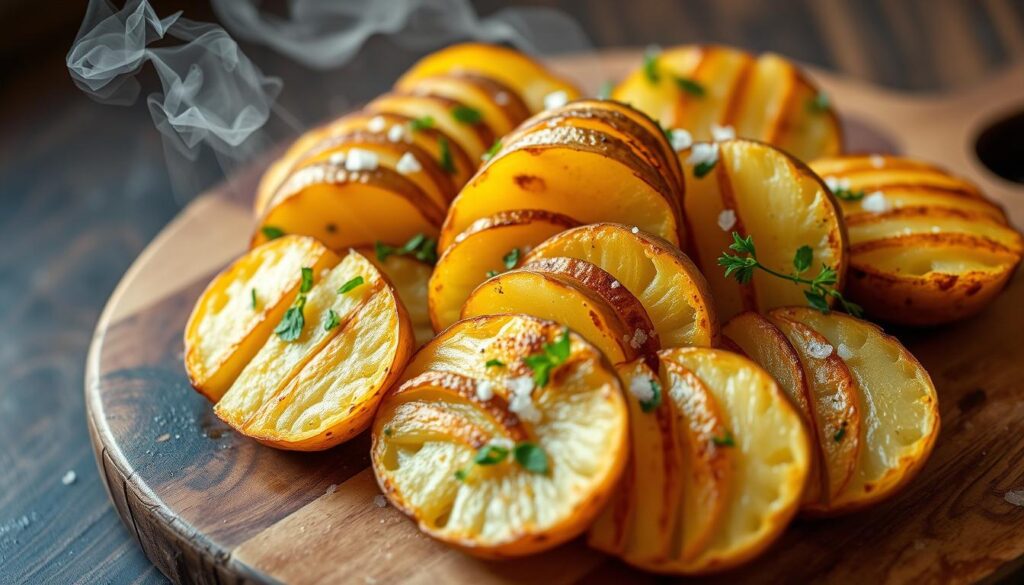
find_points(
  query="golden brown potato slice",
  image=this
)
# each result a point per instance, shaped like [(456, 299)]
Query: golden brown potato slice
[(759, 191), (490, 245), (577, 294), (668, 285), (740, 449), (241, 307), (931, 220), (474, 138), (499, 106), (409, 277), (835, 406), (581, 173), (898, 403), (525, 76), (484, 457), (317, 382), (765, 98), (343, 208)]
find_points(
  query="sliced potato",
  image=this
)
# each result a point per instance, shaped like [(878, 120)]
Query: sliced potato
[(835, 406), (344, 208), (242, 305), (431, 428), (668, 285), (577, 294), (490, 245), (765, 98), (323, 387), (760, 191), (409, 277), (739, 449), (500, 107), (898, 403), (926, 247), (474, 138), (530, 80), (582, 173)]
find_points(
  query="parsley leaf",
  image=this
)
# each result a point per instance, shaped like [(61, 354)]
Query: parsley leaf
[(494, 363), (655, 401), (492, 273), (357, 281), (493, 150), (690, 86), (307, 280), (848, 194), (802, 259), (252, 294), (490, 454), (447, 163), (419, 246), (271, 232), (819, 103), (702, 169), (420, 124), (840, 433), (466, 114), (332, 320), (531, 457), (651, 66), (511, 259), (460, 474), (552, 355), (290, 327), (726, 441), (382, 250)]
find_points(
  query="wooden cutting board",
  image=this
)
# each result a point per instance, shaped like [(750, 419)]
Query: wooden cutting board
[(208, 506)]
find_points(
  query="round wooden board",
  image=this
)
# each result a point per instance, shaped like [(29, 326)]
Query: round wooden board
[(208, 506)]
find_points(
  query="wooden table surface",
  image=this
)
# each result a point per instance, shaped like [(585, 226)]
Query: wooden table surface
[(83, 188)]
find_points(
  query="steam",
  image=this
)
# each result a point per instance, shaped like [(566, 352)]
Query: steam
[(212, 93), (323, 35)]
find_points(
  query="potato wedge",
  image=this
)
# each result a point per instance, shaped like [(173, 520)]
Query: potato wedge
[(835, 407), (322, 387), (529, 79), (759, 191), (409, 278), (577, 294), (344, 208), (926, 247), (584, 174), (241, 307), (474, 138), (490, 245), (500, 107), (763, 98), (744, 455), (664, 280), (484, 459), (898, 403)]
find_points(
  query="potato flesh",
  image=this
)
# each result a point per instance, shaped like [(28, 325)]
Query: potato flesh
[(898, 400), (807, 132), (900, 223), (466, 263), (409, 277), (918, 260), (769, 85), (900, 197), (670, 288), (659, 99), (719, 73), (464, 91), (227, 327), (419, 106)]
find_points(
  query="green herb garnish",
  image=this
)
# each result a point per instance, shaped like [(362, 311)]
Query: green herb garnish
[(741, 266), (271, 233), (419, 246), (651, 66), (494, 363), (690, 86), (493, 150), (655, 401), (726, 441), (252, 294), (460, 474), (605, 92), (307, 280), (819, 103), (702, 169), (490, 454), (492, 273), (290, 327), (511, 259), (332, 320), (350, 285), (531, 457), (848, 194), (420, 124), (446, 155), (553, 355), (840, 433), (466, 115)]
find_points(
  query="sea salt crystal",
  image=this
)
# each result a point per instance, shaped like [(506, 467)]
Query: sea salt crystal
[(635, 230), (380, 501), (844, 352), (720, 133), (818, 349), (484, 389), (641, 388), (501, 98), (877, 161), (703, 153), (408, 164), (1015, 497), (555, 99), (376, 124), (874, 202), (361, 160), (837, 184), (336, 158), (521, 402), (726, 219), (397, 133), (680, 139), (615, 284), (69, 477), (637, 340)]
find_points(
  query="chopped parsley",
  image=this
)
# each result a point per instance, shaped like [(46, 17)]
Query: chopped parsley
[(420, 124), (655, 401), (690, 86), (351, 284), (252, 294), (493, 150), (447, 163), (840, 433), (726, 441), (702, 169), (531, 457), (651, 67), (307, 280), (492, 273), (819, 103), (290, 327), (494, 363), (419, 247), (848, 194), (606, 90), (271, 233), (490, 454), (552, 356), (466, 115), (511, 259), (332, 320)]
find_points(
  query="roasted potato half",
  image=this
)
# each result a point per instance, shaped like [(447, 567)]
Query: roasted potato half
[(489, 246), (763, 98), (719, 463), (317, 382), (575, 293), (897, 401), (484, 455), (533, 83), (241, 307), (409, 278), (344, 208), (671, 289), (926, 247), (757, 190), (474, 137), (498, 106)]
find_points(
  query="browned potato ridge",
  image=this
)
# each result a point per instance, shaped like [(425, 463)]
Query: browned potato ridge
[(926, 247)]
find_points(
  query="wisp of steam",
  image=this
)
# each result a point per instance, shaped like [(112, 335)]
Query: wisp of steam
[(212, 93), (324, 34)]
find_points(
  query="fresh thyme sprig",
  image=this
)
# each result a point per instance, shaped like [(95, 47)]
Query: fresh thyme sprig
[(741, 266)]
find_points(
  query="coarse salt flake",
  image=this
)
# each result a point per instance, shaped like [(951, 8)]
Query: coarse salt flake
[(877, 161), (635, 230), (844, 352), (361, 160), (874, 202), (680, 139), (837, 184), (726, 219), (397, 133), (818, 349), (555, 99), (637, 340), (521, 402), (1015, 497), (408, 164), (641, 388), (336, 158), (484, 389), (69, 477), (615, 284), (703, 153), (380, 501), (376, 124), (720, 133)]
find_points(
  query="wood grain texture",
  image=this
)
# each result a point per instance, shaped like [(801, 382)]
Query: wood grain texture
[(210, 506)]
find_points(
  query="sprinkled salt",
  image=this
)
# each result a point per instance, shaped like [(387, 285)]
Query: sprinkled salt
[(331, 489), (837, 184), (376, 124), (635, 230), (680, 139), (361, 160), (69, 477), (641, 388), (501, 98), (397, 133), (874, 202), (380, 501), (555, 99), (844, 352), (336, 158), (503, 442), (720, 133), (726, 219), (818, 349), (877, 161), (615, 284), (521, 403), (484, 389), (703, 153), (1015, 497), (637, 340), (408, 164)]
